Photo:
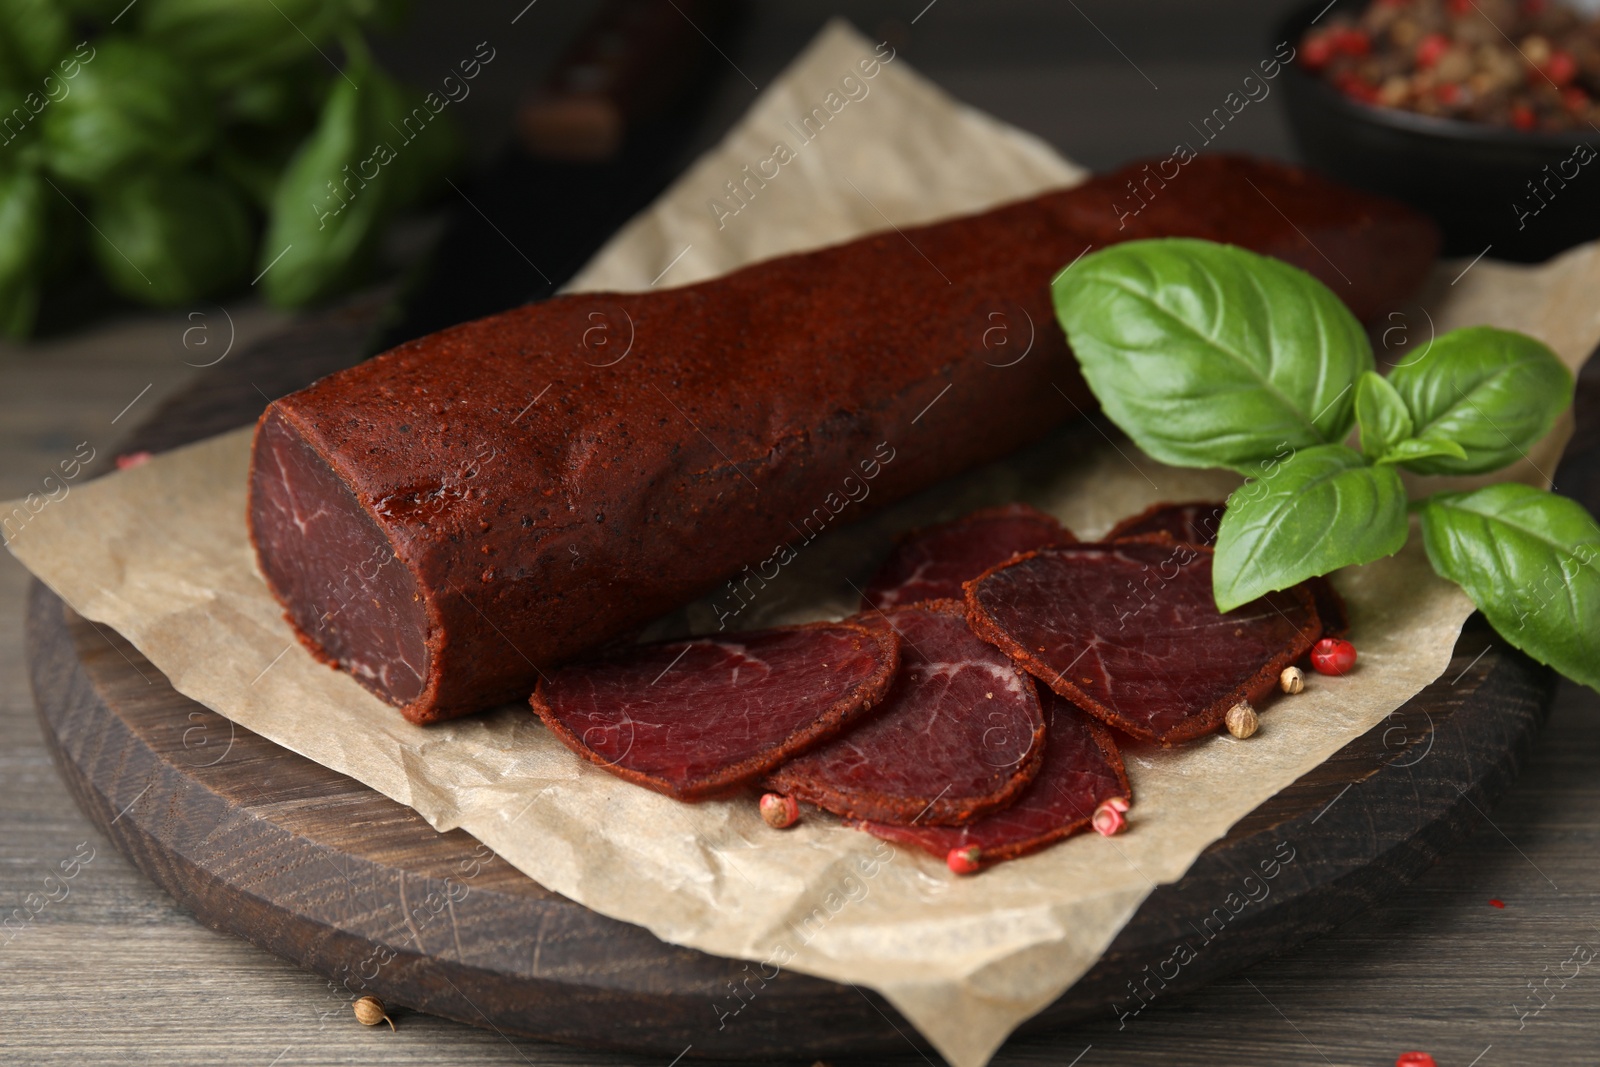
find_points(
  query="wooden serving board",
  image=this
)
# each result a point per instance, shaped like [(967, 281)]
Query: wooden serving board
[(324, 872)]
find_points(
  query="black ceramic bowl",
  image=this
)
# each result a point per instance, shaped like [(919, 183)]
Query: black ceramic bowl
[(1525, 196)]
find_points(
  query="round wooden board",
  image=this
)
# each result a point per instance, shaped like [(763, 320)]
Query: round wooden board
[(324, 872)]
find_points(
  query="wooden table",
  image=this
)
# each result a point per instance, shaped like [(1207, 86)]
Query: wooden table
[(114, 972)]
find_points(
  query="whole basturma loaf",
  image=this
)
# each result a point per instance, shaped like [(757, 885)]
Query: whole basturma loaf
[(449, 517)]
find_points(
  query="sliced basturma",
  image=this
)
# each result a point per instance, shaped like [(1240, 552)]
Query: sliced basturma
[(934, 564), (1130, 633), (1196, 523), (692, 718), (960, 734), (1081, 769)]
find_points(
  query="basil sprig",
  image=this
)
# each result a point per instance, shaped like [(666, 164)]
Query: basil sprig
[(1208, 355)]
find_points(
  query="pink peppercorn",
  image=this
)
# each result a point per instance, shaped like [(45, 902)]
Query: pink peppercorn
[(964, 860), (778, 811), (1333, 655), (1108, 818)]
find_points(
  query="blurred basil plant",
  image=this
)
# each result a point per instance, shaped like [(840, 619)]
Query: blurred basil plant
[(185, 146)]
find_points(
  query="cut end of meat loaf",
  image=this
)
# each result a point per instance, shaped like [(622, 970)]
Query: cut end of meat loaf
[(352, 601)]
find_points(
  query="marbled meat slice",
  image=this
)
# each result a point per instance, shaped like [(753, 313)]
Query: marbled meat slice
[(1197, 522), (933, 564), (960, 734), (1081, 769), (1130, 633), (691, 718), (1194, 523)]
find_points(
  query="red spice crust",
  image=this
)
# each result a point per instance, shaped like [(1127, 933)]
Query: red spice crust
[(933, 810), (1254, 689), (838, 717)]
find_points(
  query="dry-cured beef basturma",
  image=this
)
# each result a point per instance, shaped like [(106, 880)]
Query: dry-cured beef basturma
[(450, 517), (934, 564), (1130, 632), (1081, 769), (1197, 523), (692, 718), (960, 733)]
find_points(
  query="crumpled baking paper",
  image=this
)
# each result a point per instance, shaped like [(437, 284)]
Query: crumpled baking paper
[(160, 553)]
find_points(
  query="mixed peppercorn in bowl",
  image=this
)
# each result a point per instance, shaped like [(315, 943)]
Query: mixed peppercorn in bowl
[(1484, 114), (1524, 64)]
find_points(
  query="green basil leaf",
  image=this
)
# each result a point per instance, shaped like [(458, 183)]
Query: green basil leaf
[(19, 306), (1422, 448), (1381, 414), (424, 138), (1530, 560), (326, 215), (25, 210), (1494, 392), (131, 108), (229, 42), (1321, 509), (33, 34), (1208, 355), (169, 239)]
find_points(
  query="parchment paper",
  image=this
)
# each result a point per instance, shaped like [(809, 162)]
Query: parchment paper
[(160, 553)]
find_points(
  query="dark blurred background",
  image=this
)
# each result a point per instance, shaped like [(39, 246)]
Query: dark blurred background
[(1066, 71)]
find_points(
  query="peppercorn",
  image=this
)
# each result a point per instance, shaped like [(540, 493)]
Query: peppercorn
[(964, 860), (1431, 48), (1242, 720), (1415, 1059), (369, 1012), (1333, 655), (1561, 69), (1108, 818), (778, 811), (1317, 50)]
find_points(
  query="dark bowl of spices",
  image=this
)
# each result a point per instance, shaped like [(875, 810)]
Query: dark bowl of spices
[(1483, 113)]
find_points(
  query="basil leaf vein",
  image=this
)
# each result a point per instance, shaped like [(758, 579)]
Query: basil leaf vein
[(1494, 392), (1209, 355), (1321, 509), (1381, 414), (1530, 560)]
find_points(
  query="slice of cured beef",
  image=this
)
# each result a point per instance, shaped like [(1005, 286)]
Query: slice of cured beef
[(1197, 522), (1081, 769), (692, 718), (960, 734), (934, 564), (1194, 522), (1129, 632)]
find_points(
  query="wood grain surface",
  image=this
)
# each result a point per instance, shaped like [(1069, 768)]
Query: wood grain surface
[(116, 972)]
